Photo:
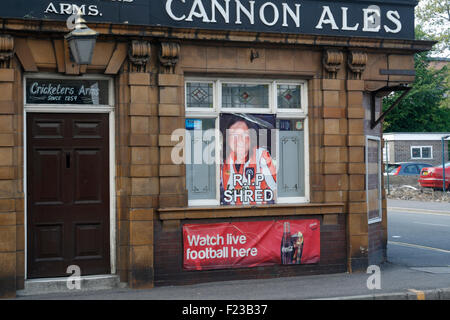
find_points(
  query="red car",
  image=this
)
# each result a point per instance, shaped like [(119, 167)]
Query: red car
[(432, 177)]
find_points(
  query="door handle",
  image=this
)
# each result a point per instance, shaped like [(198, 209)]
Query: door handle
[(67, 160)]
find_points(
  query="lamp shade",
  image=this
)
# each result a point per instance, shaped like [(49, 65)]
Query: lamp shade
[(82, 43)]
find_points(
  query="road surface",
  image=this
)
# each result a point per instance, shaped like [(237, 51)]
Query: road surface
[(419, 234)]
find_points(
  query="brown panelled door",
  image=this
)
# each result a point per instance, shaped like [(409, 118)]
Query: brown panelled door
[(67, 194)]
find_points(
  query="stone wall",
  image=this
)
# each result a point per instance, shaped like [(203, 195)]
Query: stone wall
[(151, 196)]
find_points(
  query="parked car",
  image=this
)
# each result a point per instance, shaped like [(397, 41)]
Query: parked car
[(432, 177), (405, 168)]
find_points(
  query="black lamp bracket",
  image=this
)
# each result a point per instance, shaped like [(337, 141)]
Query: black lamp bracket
[(384, 91)]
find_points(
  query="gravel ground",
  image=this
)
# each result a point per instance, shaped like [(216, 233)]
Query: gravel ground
[(407, 192)]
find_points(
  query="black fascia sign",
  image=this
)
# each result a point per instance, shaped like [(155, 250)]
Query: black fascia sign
[(392, 19)]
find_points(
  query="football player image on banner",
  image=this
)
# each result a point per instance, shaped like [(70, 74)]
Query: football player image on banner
[(248, 173)]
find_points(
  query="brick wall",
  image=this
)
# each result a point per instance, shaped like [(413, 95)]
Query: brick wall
[(169, 254), (149, 88), (402, 151)]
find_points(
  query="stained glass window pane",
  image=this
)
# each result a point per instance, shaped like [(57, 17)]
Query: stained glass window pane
[(199, 95), (289, 96), (245, 95)]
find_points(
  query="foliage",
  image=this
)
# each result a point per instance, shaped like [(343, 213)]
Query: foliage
[(426, 107), (433, 17)]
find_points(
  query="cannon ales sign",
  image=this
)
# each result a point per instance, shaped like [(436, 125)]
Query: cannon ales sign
[(383, 19)]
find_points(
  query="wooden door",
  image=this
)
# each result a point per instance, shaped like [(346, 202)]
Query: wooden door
[(67, 194)]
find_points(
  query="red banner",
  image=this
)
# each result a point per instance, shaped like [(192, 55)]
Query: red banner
[(250, 244)]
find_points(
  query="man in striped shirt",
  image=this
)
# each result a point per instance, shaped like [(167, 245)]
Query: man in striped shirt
[(248, 174)]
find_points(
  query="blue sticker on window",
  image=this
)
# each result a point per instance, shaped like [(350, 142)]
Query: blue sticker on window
[(193, 124), (285, 125)]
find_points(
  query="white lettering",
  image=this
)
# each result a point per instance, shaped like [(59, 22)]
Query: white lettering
[(228, 196), (374, 281), (330, 20), (249, 13), (345, 21), (51, 8), (66, 8), (262, 16), (76, 9), (371, 20), (198, 4), (394, 17), (258, 179), (170, 13), (237, 178), (33, 88), (198, 146), (225, 12), (209, 151), (268, 195), (177, 154), (295, 16), (93, 10)]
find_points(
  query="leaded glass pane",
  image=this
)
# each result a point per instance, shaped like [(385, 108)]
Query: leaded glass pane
[(289, 96), (245, 95), (199, 95)]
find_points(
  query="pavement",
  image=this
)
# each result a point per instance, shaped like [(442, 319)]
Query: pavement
[(398, 281)]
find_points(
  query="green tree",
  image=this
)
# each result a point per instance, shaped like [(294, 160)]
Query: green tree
[(433, 17), (425, 107)]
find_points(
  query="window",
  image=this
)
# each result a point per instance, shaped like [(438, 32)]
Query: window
[(411, 169), (246, 142), (422, 152), (199, 95)]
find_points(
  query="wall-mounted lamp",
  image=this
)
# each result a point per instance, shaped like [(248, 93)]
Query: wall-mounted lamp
[(254, 55), (81, 41)]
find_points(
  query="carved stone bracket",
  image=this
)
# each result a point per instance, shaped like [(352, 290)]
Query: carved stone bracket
[(139, 55), (168, 56), (357, 61), (332, 61), (6, 51)]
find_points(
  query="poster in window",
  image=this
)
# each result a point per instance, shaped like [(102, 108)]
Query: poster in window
[(248, 172)]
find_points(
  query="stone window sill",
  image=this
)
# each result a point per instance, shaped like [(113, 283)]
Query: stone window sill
[(215, 212)]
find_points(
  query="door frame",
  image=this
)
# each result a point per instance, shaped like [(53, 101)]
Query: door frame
[(68, 108)]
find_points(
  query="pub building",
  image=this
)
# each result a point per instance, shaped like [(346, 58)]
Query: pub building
[(176, 142)]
